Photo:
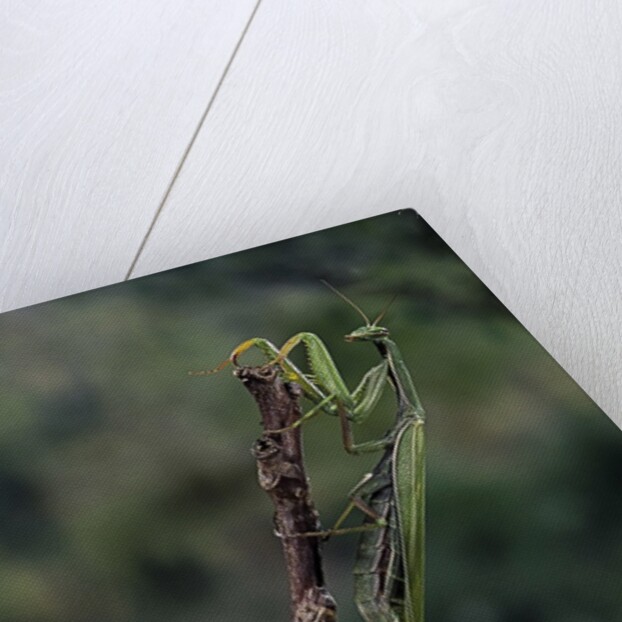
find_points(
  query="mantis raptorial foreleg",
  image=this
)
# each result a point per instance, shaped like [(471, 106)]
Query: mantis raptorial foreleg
[(323, 386), (359, 403), (364, 399)]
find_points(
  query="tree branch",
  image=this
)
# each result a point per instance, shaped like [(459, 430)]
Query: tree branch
[(281, 474)]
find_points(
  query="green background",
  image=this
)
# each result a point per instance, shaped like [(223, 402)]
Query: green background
[(128, 491)]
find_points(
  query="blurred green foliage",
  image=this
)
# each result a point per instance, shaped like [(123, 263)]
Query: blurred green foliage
[(128, 492)]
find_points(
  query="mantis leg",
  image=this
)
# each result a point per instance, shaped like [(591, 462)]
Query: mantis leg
[(324, 386), (368, 392), (321, 363), (358, 404), (265, 346), (368, 485), (351, 447), (316, 410), (272, 354)]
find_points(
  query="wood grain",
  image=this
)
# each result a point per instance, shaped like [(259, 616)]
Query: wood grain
[(499, 121), (98, 102)]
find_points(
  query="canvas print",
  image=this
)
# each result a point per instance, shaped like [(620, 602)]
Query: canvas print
[(347, 425)]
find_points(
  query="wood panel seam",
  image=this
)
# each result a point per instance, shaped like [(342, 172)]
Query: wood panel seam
[(193, 138)]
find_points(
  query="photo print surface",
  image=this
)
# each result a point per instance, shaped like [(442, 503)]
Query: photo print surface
[(128, 491)]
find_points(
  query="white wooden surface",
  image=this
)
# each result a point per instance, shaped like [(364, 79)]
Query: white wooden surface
[(499, 121), (98, 102)]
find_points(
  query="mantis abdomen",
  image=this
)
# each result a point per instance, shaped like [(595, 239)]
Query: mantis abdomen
[(379, 584)]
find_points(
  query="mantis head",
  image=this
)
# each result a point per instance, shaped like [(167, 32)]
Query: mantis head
[(369, 332)]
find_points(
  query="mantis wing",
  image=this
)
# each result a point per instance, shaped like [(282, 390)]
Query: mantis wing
[(409, 485)]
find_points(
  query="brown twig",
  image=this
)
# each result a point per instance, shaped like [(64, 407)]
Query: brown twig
[(281, 474)]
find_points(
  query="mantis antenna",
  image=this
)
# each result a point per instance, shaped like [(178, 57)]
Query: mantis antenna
[(384, 311), (357, 308), (346, 299)]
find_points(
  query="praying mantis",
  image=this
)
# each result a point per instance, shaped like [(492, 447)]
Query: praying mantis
[(389, 567)]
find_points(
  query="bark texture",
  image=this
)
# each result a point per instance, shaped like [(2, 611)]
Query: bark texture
[(281, 474)]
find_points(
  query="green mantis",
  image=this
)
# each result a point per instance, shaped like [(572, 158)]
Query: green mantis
[(389, 568)]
